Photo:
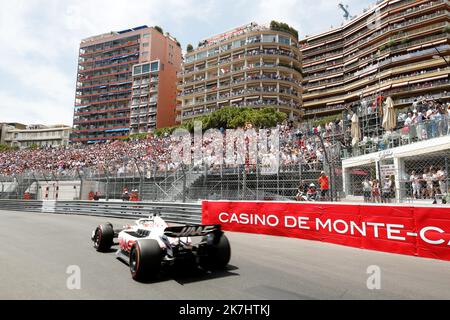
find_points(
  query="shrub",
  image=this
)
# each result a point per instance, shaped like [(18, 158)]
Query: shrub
[(280, 26)]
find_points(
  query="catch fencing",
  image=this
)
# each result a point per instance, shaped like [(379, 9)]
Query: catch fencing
[(163, 182), (408, 174)]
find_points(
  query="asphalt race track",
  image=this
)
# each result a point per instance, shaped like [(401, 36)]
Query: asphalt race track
[(37, 249)]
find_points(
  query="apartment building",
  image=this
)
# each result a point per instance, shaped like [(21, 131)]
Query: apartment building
[(17, 135), (6, 126), (126, 84), (250, 66), (396, 48)]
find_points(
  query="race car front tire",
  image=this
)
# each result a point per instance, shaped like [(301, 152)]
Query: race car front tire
[(218, 255), (104, 237), (145, 260)]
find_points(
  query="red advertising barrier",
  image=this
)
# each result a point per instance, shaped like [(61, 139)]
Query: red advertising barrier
[(415, 231)]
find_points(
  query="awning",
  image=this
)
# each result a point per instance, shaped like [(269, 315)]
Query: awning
[(400, 84), (428, 79), (117, 130), (351, 61), (336, 102), (235, 100)]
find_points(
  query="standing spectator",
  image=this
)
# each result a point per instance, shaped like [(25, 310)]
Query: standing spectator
[(428, 179), (324, 186), (435, 181), (441, 177), (415, 182), (387, 189), (376, 193), (367, 190), (126, 196)]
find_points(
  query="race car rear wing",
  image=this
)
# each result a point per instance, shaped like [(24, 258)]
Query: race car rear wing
[(191, 231)]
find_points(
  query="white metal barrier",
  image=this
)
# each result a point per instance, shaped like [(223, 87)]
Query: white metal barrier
[(172, 212)]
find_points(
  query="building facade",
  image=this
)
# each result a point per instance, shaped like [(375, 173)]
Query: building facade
[(5, 127), (37, 135), (251, 66), (396, 48), (126, 84)]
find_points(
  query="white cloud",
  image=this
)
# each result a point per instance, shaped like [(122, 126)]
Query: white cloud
[(34, 111), (40, 39)]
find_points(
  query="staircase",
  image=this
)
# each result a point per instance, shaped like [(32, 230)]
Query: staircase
[(170, 188)]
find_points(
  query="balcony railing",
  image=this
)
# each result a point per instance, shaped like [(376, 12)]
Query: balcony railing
[(107, 49), (408, 134)]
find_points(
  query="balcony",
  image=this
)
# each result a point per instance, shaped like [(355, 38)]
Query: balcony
[(108, 48), (108, 57)]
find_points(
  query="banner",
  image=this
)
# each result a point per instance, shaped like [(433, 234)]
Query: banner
[(415, 231)]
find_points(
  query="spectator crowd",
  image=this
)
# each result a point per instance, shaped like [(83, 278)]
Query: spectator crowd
[(150, 154)]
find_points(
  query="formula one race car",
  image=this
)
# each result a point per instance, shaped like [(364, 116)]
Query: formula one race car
[(151, 243)]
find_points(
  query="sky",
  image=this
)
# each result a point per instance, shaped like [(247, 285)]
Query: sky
[(40, 39)]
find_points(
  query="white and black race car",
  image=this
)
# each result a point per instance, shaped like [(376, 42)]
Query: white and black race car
[(150, 244)]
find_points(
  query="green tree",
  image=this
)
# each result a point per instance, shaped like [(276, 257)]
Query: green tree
[(4, 147), (233, 118), (159, 29)]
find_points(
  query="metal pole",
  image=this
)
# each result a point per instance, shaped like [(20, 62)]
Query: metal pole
[(107, 183), (81, 185), (184, 182), (447, 180), (141, 179), (331, 168)]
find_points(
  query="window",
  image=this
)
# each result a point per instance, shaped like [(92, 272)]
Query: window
[(155, 66), (190, 58), (146, 68), (283, 39), (225, 47), (213, 52), (254, 39), (201, 55), (238, 43), (269, 38), (146, 35), (145, 44), (137, 70)]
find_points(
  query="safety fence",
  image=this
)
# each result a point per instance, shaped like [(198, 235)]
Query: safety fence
[(300, 161), (413, 172), (409, 174), (171, 212)]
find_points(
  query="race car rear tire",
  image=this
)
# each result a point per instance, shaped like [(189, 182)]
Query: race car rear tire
[(104, 237), (218, 255), (145, 260)]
